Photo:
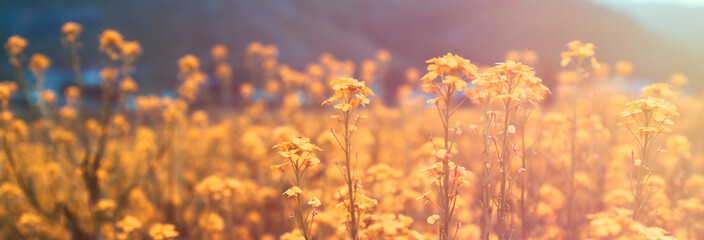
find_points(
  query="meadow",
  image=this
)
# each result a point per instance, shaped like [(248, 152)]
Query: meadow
[(465, 150)]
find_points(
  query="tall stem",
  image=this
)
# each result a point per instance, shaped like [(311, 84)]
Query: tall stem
[(76, 62), (22, 83), (446, 211), (573, 153), (351, 189), (505, 161), (638, 199), (486, 190), (524, 226)]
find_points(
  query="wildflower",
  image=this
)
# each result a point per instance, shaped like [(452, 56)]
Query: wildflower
[(110, 42), (129, 223), (298, 151), (349, 93), (624, 68), (645, 119), (72, 30), (199, 118), (211, 222), (412, 75), (246, 90), (15, 45), (72, 93), (162, 231), (448, 68), (48, 96), (658, 90), (39, 63), (432, 219), (383, 56), (578, 50), (108, 76), (121, 123), (128, 85), (510, 83), (219, 53), (648, 116), (68, 113), (130, 51), (293, 191), (29, 221), (315, 202), (442, 153), (223, 71), (188, 64), (678, 79)]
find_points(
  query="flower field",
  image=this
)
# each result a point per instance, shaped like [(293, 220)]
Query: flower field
[(460, 150)]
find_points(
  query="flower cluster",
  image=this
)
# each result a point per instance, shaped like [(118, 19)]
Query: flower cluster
[(648, 117), (349, 94), (299, 154), (163, 231), (578, 51), (451, 69), (15, 45), (508, 82), (617, 224)]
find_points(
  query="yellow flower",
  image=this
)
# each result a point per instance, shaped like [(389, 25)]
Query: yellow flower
[(162, 231), (349, 93), (72, 93), (106, 204), (129, 224), (188, 64), (578, 50), (246, 90), (130, 50), (442, 153), (110, 39), (315, 202), (658, 90), (211, 222), (648, 116), (509, 83), (39, 63), (432, 219), (68, 113), (293, 191), (128, 85), (223, 71), (49, 96), (299, 152), (679, 79), (15, 45), (451, 69), (108, 75), (219, 53), (624, 68), (72, 30)]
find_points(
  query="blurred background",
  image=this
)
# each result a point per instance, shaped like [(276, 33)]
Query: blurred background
[(658, 36)]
